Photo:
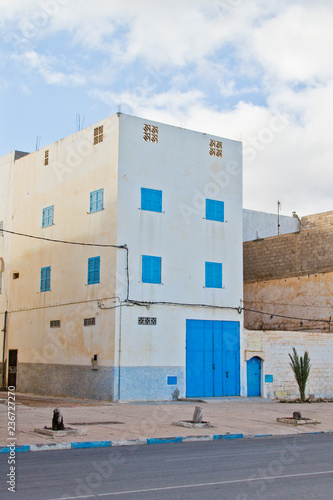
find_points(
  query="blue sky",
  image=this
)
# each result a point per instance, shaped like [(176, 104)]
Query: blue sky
[(260, 72)]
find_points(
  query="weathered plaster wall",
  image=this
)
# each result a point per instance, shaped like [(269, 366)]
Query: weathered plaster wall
[(180, 165), (76, 167), (274, 346), (303, 297), (151, 353)]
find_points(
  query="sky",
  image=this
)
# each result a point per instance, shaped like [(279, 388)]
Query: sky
[(256, 71)]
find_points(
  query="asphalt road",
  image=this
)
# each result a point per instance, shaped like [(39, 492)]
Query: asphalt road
[(293, 467)]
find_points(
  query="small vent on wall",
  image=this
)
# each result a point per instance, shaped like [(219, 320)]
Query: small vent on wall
[(16, 276), (98, 134), (89, 321), (147, 321), (215, 148), (150, 133), (55, 323)]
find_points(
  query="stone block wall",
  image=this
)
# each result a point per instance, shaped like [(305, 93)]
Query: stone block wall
[(323, 220), (295, 254), (274, 346)]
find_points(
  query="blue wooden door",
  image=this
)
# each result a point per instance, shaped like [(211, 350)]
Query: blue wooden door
[(254, 377), (231, 352), (212, 358)]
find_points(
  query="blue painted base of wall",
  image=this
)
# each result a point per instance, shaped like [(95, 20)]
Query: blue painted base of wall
[(151, 383)]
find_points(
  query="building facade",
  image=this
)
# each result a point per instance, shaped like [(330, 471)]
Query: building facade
[(123, 278), (288, 302)]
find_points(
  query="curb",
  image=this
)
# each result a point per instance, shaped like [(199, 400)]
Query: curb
[(140, 442)]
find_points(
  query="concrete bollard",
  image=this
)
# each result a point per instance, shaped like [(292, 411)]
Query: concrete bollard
[(197, 415)]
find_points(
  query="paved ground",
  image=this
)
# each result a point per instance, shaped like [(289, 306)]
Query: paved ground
[(120, 421)]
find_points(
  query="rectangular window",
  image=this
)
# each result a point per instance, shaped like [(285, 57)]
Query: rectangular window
[(151, 269), (96, 201), (213, 275), (172, 380), (47, 219), (151, 199), (45, 279), (98, 134), (46, 159), (215, 210), (1, 228), (93, 270)]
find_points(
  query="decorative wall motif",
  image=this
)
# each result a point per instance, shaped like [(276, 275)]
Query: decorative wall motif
[(150, 133), (147, 321), (46, 160), (89, 321), (98, 134), (215, 148)]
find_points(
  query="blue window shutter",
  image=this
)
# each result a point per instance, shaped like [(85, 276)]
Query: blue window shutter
[(208, 274), (94, 270), (215, 210), (45, 279), (96, 201), (156, 270), (151, 269), (47, 219), (213, 275), (151, 199)]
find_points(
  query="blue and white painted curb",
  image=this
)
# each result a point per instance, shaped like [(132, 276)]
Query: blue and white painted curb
[(140, 442)]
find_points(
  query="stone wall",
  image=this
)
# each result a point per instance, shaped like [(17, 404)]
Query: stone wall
[(323, 220), (296, 254), (274, 346)]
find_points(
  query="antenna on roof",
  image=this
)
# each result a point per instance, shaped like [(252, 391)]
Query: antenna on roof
[(38, 137), (79, 125), (278, 216)]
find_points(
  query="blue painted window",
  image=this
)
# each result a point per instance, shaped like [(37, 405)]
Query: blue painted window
[(213, 275), (269, 378), (47, 216), (151, 199), (172, 381), (215, 210), (45, 279), (151, 269), (93, 270), (96, 201)]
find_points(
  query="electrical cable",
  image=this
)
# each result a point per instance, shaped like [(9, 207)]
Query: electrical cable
[(286, 317), (64, 241)]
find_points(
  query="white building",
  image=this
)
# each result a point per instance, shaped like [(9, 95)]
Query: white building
[(154, 311)]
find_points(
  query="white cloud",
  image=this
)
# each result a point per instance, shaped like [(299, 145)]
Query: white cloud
[(44, 66), (204, 55)]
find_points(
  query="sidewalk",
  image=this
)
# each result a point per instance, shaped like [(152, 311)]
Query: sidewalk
[(104, 421)]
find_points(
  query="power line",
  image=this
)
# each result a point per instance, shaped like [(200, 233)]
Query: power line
[(287, 317), (64, 241)]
